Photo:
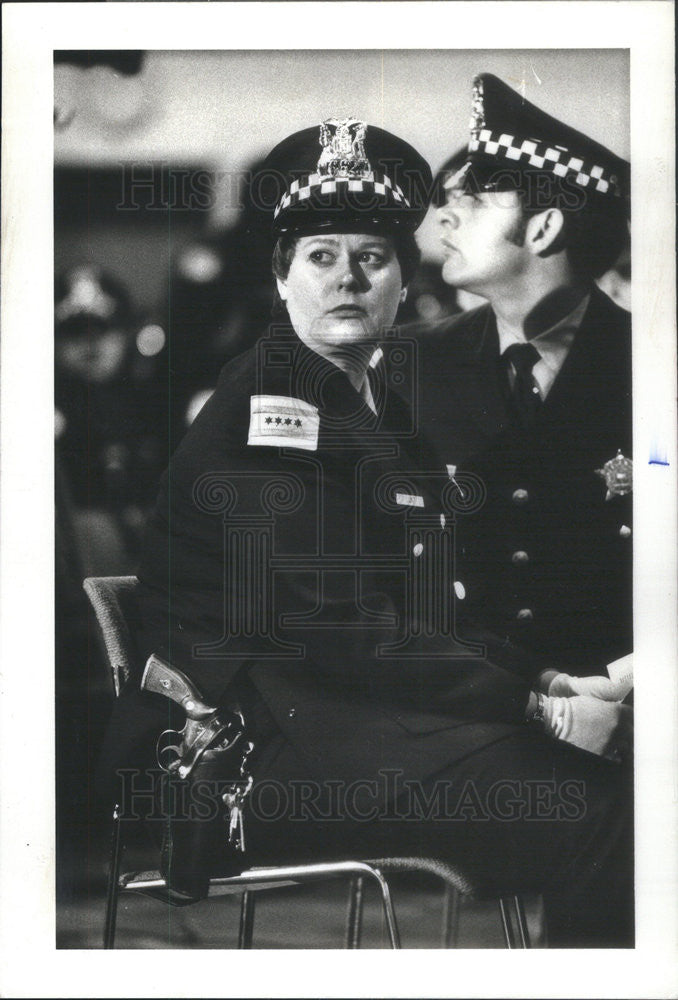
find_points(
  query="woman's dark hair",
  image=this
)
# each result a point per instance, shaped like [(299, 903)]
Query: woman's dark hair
[(407, 252)]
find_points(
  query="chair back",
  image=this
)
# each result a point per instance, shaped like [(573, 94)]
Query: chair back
[(115, 604)]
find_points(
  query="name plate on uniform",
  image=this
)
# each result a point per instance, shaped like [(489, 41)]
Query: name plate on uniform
[(409, 500)]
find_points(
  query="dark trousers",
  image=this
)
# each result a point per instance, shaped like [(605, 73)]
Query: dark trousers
[(526, 814)]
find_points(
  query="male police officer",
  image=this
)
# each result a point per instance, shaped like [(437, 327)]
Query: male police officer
[(532, 392)]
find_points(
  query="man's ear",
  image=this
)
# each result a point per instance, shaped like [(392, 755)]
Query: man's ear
[(282, 289), (543, 231)]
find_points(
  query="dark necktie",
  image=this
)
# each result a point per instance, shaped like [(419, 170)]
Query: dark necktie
[(523, 397)]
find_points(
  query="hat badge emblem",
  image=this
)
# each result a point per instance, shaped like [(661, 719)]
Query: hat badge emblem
[(477, 109), (618, 476), (343, 150)]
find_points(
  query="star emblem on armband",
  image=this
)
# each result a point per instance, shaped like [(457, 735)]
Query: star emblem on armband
[(618, 476)]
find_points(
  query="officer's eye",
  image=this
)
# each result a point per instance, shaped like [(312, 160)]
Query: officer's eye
[(320, 256), (370, 257), (465, 198)]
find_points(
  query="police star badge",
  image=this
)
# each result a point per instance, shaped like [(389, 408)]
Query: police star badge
[(618, 476), (477, 109), (343, 152)]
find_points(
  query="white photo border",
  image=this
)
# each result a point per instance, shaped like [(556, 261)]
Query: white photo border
[(31, 963)]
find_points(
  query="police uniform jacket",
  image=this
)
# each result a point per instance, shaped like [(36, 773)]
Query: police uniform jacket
[(546, 559), (289, 527)]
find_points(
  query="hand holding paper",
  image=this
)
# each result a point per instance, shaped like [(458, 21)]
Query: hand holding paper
[(612, 688)]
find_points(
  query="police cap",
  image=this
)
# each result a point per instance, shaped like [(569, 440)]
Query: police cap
[(511, 138), (344, 171)]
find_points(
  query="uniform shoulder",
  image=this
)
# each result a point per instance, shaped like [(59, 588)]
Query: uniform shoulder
[(261, 400), (237, 381), (265, 369), (609, 328), (613, 317), (221, 425)]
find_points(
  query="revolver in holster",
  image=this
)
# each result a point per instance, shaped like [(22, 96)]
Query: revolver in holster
[(204, 785)]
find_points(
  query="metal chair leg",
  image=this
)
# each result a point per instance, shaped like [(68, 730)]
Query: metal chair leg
[(507, 905), (521, 921), (246, 930), (354, 918), (389, 912), (113, 877), (504, 902), (451, 902)]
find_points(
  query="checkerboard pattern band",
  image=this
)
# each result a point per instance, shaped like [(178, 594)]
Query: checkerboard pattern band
[(303, 188), (559, 161)]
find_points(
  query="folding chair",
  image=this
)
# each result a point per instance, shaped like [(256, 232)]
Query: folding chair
[(114, 602)]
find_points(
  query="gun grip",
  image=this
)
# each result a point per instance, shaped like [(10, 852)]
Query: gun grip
[(161, 677)]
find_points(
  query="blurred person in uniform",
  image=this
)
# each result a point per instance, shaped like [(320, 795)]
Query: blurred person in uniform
[(306, 447), (109, 420), (107, 438), (218, 298), (532, 391)]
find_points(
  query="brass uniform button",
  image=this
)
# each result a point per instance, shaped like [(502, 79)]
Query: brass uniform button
[(519, 558), (525, 615), (520, 496)]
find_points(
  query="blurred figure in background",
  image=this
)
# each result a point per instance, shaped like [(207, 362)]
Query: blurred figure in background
[(219, 291), (429, 297), (111, 438), (111, 443)]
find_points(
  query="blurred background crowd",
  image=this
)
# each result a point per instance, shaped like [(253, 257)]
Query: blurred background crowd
[(162, 274)]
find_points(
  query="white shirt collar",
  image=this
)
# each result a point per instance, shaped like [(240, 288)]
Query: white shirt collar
[(553, 345), (366, 393)]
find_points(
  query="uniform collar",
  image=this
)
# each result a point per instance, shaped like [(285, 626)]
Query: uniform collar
[(553, 342), (302, 373)]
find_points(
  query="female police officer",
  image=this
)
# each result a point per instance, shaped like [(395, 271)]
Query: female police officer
[(298, 560)]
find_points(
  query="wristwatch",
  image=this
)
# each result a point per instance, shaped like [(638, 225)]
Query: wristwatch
[(538, 714)]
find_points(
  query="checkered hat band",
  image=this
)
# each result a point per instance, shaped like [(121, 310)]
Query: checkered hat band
[(303, 188), (561, 162)]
